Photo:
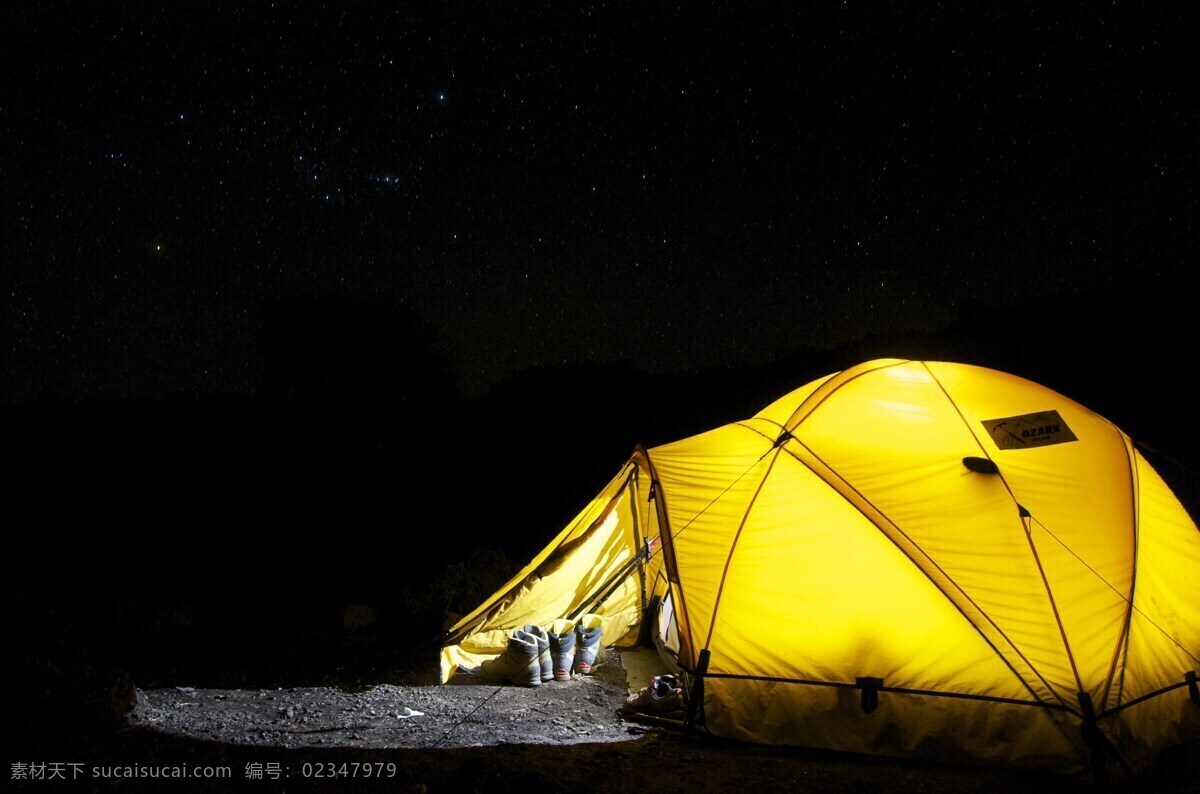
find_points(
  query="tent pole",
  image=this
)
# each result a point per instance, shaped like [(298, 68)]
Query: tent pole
[(608, 588)]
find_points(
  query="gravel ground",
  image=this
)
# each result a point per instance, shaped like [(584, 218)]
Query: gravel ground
[(469, 712)]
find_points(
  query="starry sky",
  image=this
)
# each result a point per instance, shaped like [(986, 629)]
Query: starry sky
[(676, 186)]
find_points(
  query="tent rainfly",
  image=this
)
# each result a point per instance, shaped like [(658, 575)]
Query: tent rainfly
[(906, 558)]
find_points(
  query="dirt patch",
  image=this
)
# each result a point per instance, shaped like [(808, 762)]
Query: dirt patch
[(468, 712)]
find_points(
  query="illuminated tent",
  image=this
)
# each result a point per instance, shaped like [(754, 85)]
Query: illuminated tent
[(906, 558)]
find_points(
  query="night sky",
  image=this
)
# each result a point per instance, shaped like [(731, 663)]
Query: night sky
[(676, 187)]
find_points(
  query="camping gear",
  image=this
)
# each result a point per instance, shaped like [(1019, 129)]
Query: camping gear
[(587, 644), (543, 646), (662, 698), (906, 557), (518, 663), (562, 648)]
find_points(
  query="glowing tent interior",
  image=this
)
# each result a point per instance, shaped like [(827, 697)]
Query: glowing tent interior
[(905, 558)]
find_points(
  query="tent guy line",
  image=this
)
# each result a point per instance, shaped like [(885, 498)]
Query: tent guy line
[(1121, 595)]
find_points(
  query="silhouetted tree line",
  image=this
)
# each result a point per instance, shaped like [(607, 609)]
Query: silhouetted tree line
[(219, 533)]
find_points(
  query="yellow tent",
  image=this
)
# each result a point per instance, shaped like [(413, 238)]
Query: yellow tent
[(906, 557)]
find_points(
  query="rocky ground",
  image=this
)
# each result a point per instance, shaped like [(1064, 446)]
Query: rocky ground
[(469, 712)]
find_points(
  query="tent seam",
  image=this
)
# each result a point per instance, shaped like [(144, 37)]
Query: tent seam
[(1136, 485), (745, 426), (834, 390), (667, 545), (461, 629), (712, 623), (940, 570), (1028, 536)]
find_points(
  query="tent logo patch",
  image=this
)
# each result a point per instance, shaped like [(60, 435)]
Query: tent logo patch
[(1029, 430)]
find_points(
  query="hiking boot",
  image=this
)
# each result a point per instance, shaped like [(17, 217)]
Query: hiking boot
[(519, 663), (543, 644), (562, 649), (663, 698), (587, 644)]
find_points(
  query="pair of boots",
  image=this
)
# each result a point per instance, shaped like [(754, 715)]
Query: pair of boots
[(573, 646), (535, 655)]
